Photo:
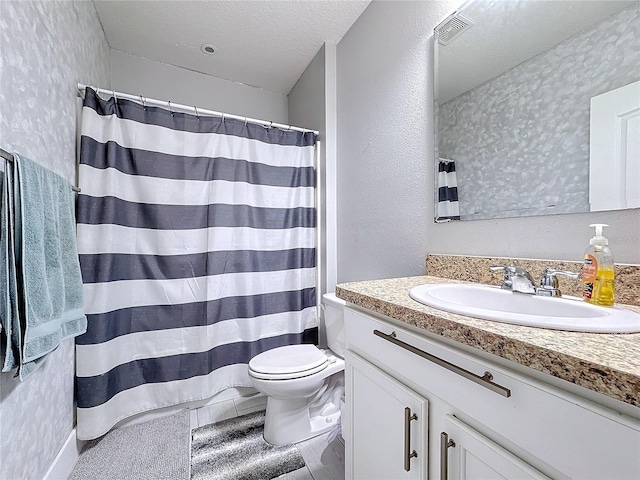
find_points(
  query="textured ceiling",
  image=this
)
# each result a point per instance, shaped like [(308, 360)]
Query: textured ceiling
[(266, 43), (507, 33)]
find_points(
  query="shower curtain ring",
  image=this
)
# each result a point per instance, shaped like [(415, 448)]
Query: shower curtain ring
[(197, 114), (115, 98), (144, 105), (270, 124), (170, 110), (245, 121), (222, 117)]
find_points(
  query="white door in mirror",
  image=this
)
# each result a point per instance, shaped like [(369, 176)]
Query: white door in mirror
[(614, 149), (558, 313)]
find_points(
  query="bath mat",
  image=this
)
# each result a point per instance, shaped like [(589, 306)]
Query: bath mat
[(153, 450), (235, 449)]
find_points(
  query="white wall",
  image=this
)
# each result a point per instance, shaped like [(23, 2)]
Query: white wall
[(385, 144), (141, 76), (46, 48), (312, 104), (560, 237), (386, 162)]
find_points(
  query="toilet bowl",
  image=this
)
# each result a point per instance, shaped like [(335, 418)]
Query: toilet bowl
[(303, 383)]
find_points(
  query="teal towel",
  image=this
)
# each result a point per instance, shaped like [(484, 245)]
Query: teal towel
[(49, 282), (8, 291)]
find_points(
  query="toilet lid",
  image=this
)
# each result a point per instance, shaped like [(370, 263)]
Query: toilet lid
[(288, 360)]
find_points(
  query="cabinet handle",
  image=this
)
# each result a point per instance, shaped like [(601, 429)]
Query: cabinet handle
[(407, 438), (445, 443), (484, 380)]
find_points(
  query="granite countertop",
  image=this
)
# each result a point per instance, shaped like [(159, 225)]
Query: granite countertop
[(605, 363)]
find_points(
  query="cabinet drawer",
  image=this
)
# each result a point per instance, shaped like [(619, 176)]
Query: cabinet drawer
[(538, 422)]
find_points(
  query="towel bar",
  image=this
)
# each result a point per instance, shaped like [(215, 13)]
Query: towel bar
[(9, 157)]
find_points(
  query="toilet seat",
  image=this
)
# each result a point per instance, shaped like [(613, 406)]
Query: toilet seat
[(288, 362)]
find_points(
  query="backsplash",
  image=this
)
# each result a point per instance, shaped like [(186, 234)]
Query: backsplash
[(476, 269)]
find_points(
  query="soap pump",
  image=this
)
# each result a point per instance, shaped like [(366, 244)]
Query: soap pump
[(598, 270)]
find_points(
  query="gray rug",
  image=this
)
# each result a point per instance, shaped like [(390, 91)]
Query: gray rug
[(234, 449), (153, 450)]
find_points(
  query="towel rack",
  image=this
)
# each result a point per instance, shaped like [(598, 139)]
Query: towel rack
[(9, 157)]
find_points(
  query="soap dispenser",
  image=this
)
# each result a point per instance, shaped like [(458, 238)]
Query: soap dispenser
[(598, 270)]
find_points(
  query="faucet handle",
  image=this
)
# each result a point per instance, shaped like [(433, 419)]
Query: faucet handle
[(549, 281), (508, 271), (506, 268), (552, 272)]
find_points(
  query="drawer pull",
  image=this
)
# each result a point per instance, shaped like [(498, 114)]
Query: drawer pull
[(484, 380), (445, 444), (407, 438)]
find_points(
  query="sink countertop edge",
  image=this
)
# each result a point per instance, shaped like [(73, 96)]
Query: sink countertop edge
[(605, 363)]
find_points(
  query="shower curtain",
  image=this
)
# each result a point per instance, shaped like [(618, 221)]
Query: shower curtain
[(196, 238), (447, 207)]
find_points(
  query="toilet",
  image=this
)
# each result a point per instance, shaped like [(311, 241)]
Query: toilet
[(303, 383)]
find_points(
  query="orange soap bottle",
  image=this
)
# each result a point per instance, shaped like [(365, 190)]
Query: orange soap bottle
[(598, 270)]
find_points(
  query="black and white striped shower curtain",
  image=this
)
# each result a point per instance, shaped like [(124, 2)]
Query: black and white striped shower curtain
[(196, 238)]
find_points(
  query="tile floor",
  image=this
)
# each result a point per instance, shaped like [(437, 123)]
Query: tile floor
[(325, 461)]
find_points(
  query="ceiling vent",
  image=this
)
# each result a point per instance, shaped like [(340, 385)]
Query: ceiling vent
[(452, 28)]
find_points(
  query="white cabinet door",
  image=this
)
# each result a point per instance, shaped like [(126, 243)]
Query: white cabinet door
[(472, 456), (381, 413)]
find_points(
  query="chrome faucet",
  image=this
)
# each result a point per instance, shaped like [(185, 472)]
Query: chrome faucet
[(519, 280), (515, 279)]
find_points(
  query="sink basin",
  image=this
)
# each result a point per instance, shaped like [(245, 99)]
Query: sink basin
[(494, 303)]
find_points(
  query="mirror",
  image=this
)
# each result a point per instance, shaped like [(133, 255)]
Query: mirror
[(526, 92)]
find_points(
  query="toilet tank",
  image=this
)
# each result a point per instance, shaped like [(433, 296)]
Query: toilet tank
[(334, 323)]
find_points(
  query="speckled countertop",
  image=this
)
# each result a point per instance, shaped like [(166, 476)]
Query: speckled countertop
[(605, 363)]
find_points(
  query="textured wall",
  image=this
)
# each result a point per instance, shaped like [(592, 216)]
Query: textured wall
[(141, 76), (532, 157), (47, 47), (386, 163), (307, 109), (385, 147)]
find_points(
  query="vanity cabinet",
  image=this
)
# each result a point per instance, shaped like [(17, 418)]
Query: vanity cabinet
[(474, 456), (390, 424), (503, 423)]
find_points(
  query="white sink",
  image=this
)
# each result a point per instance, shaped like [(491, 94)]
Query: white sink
[(494, 303)]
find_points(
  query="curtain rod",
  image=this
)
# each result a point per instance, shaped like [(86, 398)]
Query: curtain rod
[(189, 109), (10, 158)]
